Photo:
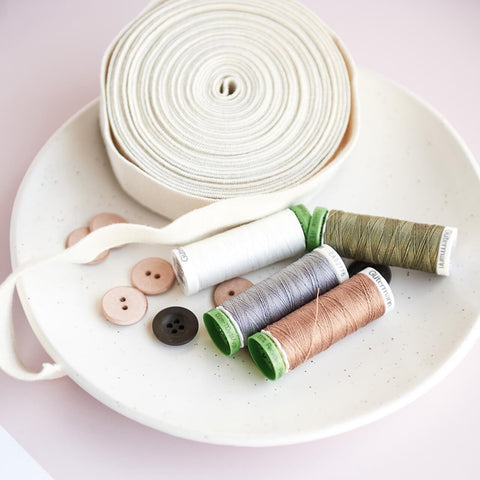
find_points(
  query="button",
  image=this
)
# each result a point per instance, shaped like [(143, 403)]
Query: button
[(229, 289), (104, 219), (153, 276), (77, 235), (383, 270), (175, 325), (124, 305)]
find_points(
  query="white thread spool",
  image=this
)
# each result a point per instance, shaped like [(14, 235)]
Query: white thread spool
[(214, 259)]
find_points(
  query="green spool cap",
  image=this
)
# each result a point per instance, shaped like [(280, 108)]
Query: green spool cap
[(265, 354), (315, 229), (303, 215), (222, 331)]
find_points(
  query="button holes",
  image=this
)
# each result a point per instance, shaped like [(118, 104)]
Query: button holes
[(125, 307), (176, 320), (157, 276), (169, 325), (174, 330), (231, 293), (181, 327), (123, 299), (148, 273)]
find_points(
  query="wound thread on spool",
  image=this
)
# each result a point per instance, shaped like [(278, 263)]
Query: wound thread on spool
[(311, 329), (230, 324), (388, 241), (372, 239), (240, 250)]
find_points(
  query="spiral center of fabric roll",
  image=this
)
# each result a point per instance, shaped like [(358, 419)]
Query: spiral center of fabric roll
[(228, 86), (220, 100)]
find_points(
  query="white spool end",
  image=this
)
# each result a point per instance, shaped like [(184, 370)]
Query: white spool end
[(382, 286), (335, 260), (281, 350), (445, 250), (185, 271)]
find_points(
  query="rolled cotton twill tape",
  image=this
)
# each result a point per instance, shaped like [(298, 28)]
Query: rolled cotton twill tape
[(205, 101), (156, 152)]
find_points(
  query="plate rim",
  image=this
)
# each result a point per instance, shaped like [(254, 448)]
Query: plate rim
[(246, 439)]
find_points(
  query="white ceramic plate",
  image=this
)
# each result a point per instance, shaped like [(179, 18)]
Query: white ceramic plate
[(408, 164)]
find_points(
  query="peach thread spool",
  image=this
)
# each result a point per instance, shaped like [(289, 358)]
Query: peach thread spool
[(231, 323), (297, 337)]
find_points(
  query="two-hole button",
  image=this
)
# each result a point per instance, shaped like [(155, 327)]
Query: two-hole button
[(124, 305), (153, 276)]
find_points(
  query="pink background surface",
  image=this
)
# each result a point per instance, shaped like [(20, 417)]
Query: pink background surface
[(50, 54)]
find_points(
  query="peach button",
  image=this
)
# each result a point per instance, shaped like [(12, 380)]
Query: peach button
[(77, 235), (229, 289), (104, 219), (153, 276), (124, 305)]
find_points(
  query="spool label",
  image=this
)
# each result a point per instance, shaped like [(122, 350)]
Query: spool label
[(184, 271), (445, 250), (234, 325), (182, 254), (383, 287), (335, 261), (280, 350)]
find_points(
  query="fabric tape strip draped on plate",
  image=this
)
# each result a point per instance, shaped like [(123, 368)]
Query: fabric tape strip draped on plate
[(241, 108)]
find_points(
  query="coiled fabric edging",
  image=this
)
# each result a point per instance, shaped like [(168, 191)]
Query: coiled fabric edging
[(205, 101)]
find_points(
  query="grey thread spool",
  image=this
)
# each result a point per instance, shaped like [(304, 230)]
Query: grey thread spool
[(231, 323)]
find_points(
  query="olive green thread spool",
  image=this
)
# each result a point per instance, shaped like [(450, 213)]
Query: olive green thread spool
[(384, 241)]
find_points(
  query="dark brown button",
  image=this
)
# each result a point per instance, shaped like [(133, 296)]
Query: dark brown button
[(175, 325)]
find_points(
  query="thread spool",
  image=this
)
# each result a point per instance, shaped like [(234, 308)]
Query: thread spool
[(386, 241), (230, 324), (372, 239), (304, 333), (240, 250)]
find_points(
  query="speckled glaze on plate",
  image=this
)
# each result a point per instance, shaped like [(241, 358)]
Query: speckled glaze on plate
[(408, 164)]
